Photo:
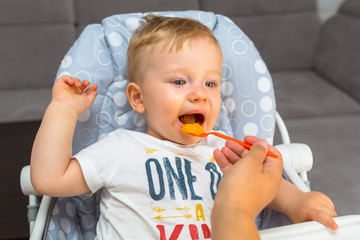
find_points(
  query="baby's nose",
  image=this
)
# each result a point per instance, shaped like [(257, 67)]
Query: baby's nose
[(198, 93)]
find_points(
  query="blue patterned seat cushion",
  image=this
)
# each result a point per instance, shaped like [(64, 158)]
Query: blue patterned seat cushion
[(99, 55)]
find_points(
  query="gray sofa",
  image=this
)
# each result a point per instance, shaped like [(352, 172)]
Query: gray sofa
[(315, 70)]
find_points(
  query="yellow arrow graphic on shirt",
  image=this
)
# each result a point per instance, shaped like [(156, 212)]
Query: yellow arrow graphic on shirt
[(160, 209), (185, 155), (150, 150), (186, 216)]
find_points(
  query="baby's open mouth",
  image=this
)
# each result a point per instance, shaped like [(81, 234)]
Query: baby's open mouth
[(192, 118)]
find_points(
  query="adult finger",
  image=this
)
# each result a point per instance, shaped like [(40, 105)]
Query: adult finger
[(235, 147), (231, 156), (221, 160), (258, 151), (251, 139), (271, 167)]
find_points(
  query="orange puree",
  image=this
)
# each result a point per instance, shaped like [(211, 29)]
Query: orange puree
[(193, 129)]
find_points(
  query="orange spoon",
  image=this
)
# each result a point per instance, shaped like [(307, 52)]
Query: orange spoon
[(196, 130)]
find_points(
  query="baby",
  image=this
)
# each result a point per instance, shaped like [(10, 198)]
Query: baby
[(160, 184)]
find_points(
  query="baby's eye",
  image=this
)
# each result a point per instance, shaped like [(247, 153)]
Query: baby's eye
[(179, 82), (210, 84)]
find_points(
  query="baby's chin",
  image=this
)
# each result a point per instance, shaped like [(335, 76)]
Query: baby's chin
[(178, 138), (189, 140)]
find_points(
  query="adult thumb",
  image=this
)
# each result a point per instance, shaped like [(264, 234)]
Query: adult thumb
[(259, 150)]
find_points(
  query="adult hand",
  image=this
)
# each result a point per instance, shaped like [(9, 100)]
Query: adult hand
[(251, 180)]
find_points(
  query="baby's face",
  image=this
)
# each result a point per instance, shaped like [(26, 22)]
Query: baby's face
[(182, 87)]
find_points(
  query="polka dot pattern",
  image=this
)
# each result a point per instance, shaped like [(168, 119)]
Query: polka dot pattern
[(99, 55), (77, 218)]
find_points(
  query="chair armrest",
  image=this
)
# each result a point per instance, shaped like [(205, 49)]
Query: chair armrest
[(297, 155), (25, 182)]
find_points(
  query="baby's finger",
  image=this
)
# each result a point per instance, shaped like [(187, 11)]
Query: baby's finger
[(84, 84), (77, 82), (326, 201), (91, 90), (334, 213), (93, 87), (332, 224), (327, 221), (67, 79)]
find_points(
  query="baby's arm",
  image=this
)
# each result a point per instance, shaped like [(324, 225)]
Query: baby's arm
[(53, 170), (297, 205), (302, 207)]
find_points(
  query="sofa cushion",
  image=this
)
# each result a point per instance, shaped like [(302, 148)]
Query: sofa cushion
[(30, 54), (36, 11), (338, 57), (304, 94), (351, 7), (24, 104)]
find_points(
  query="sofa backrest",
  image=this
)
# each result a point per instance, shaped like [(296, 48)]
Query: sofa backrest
[(93, 11), (34, 37), (36, 34), (270, 26), (338, 53), (284, 31)]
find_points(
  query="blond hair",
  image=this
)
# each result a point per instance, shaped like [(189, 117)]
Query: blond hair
[(172, 32)]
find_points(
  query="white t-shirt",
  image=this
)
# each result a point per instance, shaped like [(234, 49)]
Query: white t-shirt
[(153, 189)]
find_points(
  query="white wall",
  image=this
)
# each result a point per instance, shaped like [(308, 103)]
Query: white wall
[(327, 8)]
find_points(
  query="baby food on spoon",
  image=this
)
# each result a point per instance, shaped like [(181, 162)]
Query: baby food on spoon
[(196, 130)]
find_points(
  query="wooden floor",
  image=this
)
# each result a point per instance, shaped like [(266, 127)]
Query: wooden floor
[(15, 147)]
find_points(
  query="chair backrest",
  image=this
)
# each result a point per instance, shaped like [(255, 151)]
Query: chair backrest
[(99, 55)]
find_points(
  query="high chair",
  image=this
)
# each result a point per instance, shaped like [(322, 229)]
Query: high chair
[(99, 55)]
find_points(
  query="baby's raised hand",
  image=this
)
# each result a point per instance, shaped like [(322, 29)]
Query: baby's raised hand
[(313, 206), (79, 95)]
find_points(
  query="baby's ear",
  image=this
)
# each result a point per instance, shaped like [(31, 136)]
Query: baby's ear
[(134, 95)]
